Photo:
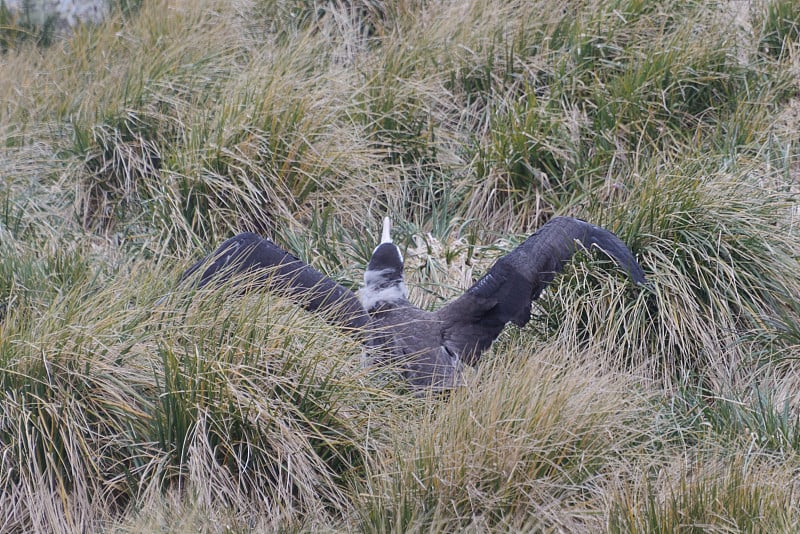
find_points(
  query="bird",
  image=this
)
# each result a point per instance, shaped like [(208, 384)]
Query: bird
[(430, 348)]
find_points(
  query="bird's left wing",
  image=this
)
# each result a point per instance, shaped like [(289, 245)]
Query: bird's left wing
[(504, 294), (259, 262)]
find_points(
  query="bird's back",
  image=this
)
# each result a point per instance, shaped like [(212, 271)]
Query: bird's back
[(411, 338)]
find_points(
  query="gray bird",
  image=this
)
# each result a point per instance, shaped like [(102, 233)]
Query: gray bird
[(429, 347)]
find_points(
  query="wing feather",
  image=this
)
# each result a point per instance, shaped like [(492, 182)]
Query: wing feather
[(505, 293), (259, 262)]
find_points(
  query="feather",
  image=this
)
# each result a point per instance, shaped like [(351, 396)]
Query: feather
[(505, 293), (257, 262)]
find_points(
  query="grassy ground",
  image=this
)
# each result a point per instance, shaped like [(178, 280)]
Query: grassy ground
[(129, 149)]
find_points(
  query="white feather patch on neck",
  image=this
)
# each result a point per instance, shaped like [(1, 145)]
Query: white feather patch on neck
[(373, 294)]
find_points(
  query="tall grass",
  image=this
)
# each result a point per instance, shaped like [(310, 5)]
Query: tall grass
[(109, 400), (129, 148), (531, 434)]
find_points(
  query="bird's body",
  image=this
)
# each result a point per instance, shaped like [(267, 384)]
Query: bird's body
[(430, 347), (413, 340)]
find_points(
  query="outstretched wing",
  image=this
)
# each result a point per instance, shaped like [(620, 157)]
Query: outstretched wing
[(505, 293), (259, 262)]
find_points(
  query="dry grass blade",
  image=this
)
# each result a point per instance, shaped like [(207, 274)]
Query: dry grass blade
[(129, 147)]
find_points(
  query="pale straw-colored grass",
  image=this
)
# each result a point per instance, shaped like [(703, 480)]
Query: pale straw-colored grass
[(130, 148)]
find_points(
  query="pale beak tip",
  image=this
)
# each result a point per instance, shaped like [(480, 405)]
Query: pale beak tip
[(386, 236)]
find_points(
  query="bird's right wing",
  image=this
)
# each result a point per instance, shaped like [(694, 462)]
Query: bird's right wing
[(259, 262), (504, 294)]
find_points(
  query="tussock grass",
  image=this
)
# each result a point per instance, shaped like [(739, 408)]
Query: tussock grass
[(110, 400), (716, 494), (717, 276), (529, 434), (131, 147)]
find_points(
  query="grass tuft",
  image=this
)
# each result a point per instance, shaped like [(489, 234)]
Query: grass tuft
[(130, 147)]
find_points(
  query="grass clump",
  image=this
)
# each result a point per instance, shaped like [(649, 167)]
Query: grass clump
[(780, 28), (706, 261), (130, 147), (498, 456), (106, 406), (720, 495)]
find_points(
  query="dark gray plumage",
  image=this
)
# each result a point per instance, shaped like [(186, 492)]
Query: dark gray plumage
[(260, 262), (429, 347)]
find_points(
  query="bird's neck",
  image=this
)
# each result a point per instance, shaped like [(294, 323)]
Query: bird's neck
[(391, 293)]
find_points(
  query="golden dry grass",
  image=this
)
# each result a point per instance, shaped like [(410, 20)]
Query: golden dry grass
[(130, 148)]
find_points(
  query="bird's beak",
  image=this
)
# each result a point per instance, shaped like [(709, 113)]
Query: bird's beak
[(386, 236)]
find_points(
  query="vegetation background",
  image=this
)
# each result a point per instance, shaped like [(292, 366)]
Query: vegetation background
[(130, 148)]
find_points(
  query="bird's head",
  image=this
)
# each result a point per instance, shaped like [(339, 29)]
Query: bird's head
[(383, 279)]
